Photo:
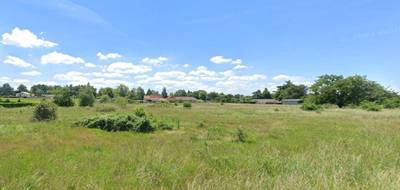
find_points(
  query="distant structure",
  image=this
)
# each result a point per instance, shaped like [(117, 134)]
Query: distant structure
[(182, 99), (292, 101), (23, 95), (266, 101), (153, 99)]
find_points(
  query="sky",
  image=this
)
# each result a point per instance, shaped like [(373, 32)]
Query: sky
[(215, 45)]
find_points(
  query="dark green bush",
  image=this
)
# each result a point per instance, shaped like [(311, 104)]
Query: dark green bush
[(16, 104), (45, 111), (391, 103), (371, 106), (63, 98), (140, 112), (86, 98), (118, 123), (121, 102), (187, 105), (309, 106), (104, 99)]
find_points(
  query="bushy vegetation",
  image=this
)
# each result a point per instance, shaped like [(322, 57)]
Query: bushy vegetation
[(45, 111), (187, 105), (63, 98), (86, 97), (310, 106), (371, 106), (12, 104), (121, 102), (240, 136), (105, 108), (104, 99), (118, 122), (392, 103)]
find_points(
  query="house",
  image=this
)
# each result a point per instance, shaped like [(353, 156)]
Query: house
[(266, 101), (182, 99), (23, 95), (153, 99), (292, 101)]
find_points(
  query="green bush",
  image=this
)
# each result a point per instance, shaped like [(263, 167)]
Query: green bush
[(371, 106), (104, 99), (118, 123), (240, 136), (309, 106), (187, 105), (45, 111), (105, 108), (63, 99), (140, 112), (391, 103), (16, 104), (86, 98), (121, 102)]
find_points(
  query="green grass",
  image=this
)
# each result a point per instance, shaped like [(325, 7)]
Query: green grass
[(285, 149)]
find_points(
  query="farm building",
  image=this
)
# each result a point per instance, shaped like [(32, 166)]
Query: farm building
[(266, 101), (153, 99), (182, 99), (292, 101), (23, 95)]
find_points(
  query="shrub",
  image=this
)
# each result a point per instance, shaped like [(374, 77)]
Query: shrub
[(118, 123), (104, 99), (45, 111), (86, 98), (391, 103), (187, 105), (240, 136), (371, 106), (105, 108), (121, 102), (309, 106), (16, 104), (63, 99), (140, 112)]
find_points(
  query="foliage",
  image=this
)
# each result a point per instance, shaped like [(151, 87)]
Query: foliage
[(16, 104), (121, 102), (187, 105), (240, 136), (290, 91), (392, 103), (45, 111), (63, 98), (262, 95), (310, 106), (164, 93), (105, 108), (106, 91), (22, 88), (6, 90), (104, 99), (371, 106), (86, 98), (122, 90), (140, 112)]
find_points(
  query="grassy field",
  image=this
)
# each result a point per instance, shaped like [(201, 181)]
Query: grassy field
[(286, 149)]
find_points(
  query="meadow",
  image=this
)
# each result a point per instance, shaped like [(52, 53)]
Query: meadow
[(284, 148)]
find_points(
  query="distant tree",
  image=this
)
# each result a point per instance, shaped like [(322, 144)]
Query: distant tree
[(257, 94), (164, 93), (180, 93), (140, 93), (148, 93), (40, 89), (22, 88), (132, 94), (291, 91), (122, 90), (266, 94), (199, 94), (63, 98), (212, 96), (86, 97), (107, 91), (6, 90)]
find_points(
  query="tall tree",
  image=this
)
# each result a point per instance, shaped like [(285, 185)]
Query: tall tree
[(164, 93), (122, 90), (140, 93), (181, 93), (291, 91), (22, 88), (257, 94), (266, 94), (6, 90)]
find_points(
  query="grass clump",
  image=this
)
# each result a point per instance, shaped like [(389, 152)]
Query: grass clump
[(371, 106), (187, 105), (240, 136), (105, 108), (309, 106), (45, 111)]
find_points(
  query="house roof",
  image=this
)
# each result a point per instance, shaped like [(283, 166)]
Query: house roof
[(183, 98), (153, 98)]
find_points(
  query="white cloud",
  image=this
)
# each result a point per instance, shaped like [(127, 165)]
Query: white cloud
[(106, 75), (154, 61), (90, 65), (20, 81), (127, 68), (295, 79), (16, 61), (60, 58), (25, 39), (186, 65), (107, 56), (222, 60), (4, 79), (31, 73), (240, 67), (77, 78), (73, 77)]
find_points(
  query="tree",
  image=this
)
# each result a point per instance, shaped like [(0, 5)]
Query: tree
[(140, 93), (86, 97), (164, 93), (106, 91), (180, 93), (122, 90), (22, 88), (266, 94), (148, 93), (291, 91), (257, 94), (63, 98), (6, 90), (40, 89)]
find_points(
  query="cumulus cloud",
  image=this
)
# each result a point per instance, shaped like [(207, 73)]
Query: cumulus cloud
[(31, 73), (186, 65), (25, 39), (127, 68), (77, 78), (237, 67), (295, 79), (90, 65), (222, 60), (108, 56), (16, 61), (154, 61), (60, 58)]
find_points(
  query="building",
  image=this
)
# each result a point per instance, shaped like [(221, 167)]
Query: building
[(23, 95), (292, 101), (266, 101), (182, 99), (153, 99)]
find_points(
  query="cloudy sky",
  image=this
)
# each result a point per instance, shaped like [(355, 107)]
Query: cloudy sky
[(215, 45)]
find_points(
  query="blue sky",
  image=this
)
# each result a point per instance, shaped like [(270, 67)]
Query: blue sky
[(230, 46)]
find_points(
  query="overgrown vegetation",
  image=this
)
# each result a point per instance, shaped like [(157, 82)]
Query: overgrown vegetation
[(187, 105), (86, 97), (45, 111), (63, 98), (371, 106), (105, 108)]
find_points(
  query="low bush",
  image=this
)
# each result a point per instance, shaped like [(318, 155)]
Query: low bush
[(240, 136), (140, 112), (63, 99), (16, 104), (371, 106), (105, 108), (104, 99), (187, 105), (391, 103), (121, 102), (309, 106), (45, 111), (86, 98), (118, 123)]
